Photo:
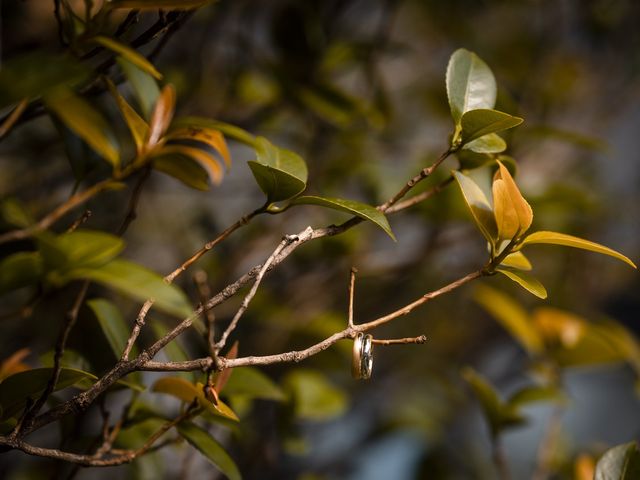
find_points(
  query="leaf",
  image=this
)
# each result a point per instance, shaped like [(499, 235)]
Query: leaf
[(80, 116), (558, 327), (511, 316), (80, 249), (155, 4), (555, 238), (130, 54), (314, 398), (137, 126), (210, 448), (517, 260), (280, 173), (480, 206), (183, 168), (584, 467), (470, 84), (536, 394), (491, 143), (513, 213), (362, 210), (16, 389), (223, 377), (477, 123), (161, 115), (619, 463), (212, 138), (34, 74), (138, 282), (203, 158), (525, 280), (20, 270), (13, 363), (230, 131), (112, 324), (14, 213), (252, 383), (144, 85)]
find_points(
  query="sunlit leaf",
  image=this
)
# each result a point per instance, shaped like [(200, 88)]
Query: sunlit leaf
[(584, 467), (86, 122), (20, 270), (144, 86), (130, 54), (208, 136), (138, 282), (112, 324), (505, 213), (479, 204), (162, 114), (137, 126), (558, 327), (252, 383), (619, 463), (555, 238), (477, 123), (525, 280), (517, 260), (210, 448), (17, 388), (314, 398), (183, 168), (280, 173), (80, 249), (203, 158), (470, 84), (362, 210), (491, 143), (512, 202), (511, 316), (229, 131), (223, 377)]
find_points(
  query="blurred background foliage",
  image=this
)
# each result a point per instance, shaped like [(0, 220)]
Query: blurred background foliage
[(357, 88)]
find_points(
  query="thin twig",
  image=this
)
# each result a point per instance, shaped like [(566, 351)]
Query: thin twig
[(352, 282), (409, 202), (13, 117), (401, 341), (204, 293), (79, 221)]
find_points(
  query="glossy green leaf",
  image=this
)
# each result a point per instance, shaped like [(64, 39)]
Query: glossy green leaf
[(130, 54), (17, 388), (619, 463), (555, 238), (477, 123), (80, 249), (20, 270), (156, 4), (210, 448), (138, 282), (525, 280), (229, 131), (517, 260), (112, 323), (182, 168), (144, 86), (314, 398), (137, 126), (35, 74), (86, 122), (362, 210), (511, 316), (280, 173), (470, 84), (479, 204), (491, 143), (252, 383)]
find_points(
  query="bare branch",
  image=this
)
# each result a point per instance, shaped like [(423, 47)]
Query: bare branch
[(401, 341), (352, 281)]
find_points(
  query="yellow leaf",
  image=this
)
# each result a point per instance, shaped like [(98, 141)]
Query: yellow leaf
[(203, 158), (558, 327), (137, 126), (13, 363), (584, 467), (514, 209), (517, 260), (176, 387), (525, 280), (162, 114), (479, 205), (130, 54), (219, 408), (555, 238), (208, 136)]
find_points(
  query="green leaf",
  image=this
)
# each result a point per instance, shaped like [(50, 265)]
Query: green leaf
[(137, 126), (619, 463), (536, 394), (555, 238), (280, 173), (130, 54), (17, 388), (511, 316), (144, 86), (252, 383), (34, 74), (80, 249), (470, 84), (138, 282), (14, 214), (86, 122), (183, 168), (525, 280), (480, 205), (20, 270), (362, 210), (491, 143), (155, 4), (229, 131), (478, 123), (314, 398), (112, 324), (210, 448)]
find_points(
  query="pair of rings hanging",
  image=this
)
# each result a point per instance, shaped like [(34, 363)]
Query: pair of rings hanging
[(362, 359)]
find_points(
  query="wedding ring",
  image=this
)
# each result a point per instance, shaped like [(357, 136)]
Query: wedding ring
[(362, 358)]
